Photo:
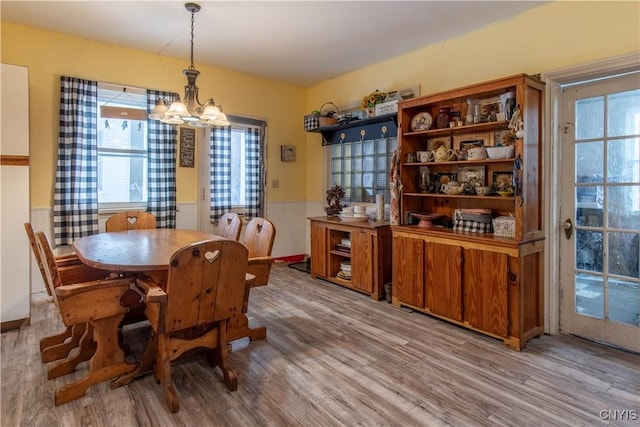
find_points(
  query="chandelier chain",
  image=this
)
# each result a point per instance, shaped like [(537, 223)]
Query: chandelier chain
[(192, 21)]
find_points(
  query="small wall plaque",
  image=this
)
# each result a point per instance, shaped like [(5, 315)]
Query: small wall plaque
[(288, 153), (187, 147)]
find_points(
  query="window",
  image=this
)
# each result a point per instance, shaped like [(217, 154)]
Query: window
[(237, 168), (361, 168), (122, 148)]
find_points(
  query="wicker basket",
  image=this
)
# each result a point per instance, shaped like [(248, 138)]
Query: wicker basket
[(328, 120)]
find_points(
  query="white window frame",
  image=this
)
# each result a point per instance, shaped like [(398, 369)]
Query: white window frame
[(124, 97)]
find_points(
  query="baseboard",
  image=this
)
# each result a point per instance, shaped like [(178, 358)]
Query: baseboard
[(14, 324)]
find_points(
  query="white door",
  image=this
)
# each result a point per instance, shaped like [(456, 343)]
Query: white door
[(600, 211), (204, 182)]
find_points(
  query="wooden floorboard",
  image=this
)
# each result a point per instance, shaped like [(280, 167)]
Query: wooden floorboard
[(334, 357)]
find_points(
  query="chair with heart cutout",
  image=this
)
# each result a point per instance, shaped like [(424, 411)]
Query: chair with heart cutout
[(206, 285), (258, 238), (229, 226), (131, 220)]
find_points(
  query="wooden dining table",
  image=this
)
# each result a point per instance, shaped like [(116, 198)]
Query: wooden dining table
[(149, 252), (136, 251)]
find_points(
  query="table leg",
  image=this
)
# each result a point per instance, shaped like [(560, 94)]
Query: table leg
[(145, 365)]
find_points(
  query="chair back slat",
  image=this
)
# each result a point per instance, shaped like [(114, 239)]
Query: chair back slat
[(36, 252), (229, 226), (131, 220), (259, 237), (205, 284), (51, 275)]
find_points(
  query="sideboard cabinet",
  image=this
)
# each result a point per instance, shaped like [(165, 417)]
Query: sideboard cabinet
[(369, 254), (487, 283)]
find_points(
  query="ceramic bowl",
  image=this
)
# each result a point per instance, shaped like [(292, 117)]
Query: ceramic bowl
[(500, 152), (505, 193)]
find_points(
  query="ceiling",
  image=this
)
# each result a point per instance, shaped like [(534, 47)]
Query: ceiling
[(298, 42)]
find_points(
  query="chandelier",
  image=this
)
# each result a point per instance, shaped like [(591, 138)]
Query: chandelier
[(192, 111)]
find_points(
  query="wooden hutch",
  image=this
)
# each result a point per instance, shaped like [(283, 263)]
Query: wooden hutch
[(480, 281)]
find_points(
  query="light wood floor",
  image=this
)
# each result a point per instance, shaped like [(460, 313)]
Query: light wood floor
[(334, 357)]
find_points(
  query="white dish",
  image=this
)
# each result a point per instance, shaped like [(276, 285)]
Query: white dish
[(343, 276), (500, 152), (421, 121), (354, 217)]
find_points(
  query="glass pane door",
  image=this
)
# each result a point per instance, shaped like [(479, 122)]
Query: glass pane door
[(601, 211)]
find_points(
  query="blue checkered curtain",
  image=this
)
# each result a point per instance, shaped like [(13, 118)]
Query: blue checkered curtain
[(75, 201), (220, 166), (253, 172), (161, 147)]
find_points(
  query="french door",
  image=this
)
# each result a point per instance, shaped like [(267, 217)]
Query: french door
[(600, 211)]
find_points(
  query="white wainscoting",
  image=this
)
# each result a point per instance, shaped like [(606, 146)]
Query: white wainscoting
[(290, 221), (289, 218)]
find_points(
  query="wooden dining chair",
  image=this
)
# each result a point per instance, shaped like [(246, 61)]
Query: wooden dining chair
[(206, 286), (57, 348), (68, 269), (258, 239), (95, 304), (131, 220), (229, 226), (61, 260)]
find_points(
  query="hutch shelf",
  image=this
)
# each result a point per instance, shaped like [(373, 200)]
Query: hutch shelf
[(483, 282), (382, 126)]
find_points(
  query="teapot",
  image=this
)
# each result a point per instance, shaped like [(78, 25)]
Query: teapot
[(452, 188), (477, 153), (442, 154)]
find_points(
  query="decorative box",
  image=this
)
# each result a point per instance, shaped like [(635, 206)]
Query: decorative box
[(387, 108), (311, 122), (475, 221), (504, 226)]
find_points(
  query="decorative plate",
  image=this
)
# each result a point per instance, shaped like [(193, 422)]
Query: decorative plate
[(354, 218), (421, 121), (434, 143)]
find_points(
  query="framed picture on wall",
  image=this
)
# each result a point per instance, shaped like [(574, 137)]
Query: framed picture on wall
[(287, 153)]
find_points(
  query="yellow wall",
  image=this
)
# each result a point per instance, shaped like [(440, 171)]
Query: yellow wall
[(550, 37), (50, 55)]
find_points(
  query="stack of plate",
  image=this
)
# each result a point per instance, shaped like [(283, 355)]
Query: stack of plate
[(353, 217), (345, 270)]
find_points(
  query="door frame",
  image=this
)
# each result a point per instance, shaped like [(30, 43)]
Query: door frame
[(551, 169)]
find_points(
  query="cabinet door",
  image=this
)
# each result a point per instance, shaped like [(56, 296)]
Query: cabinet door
[(362, 261), (318, 250), (485, 291), (408, 271), (444, 280)]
